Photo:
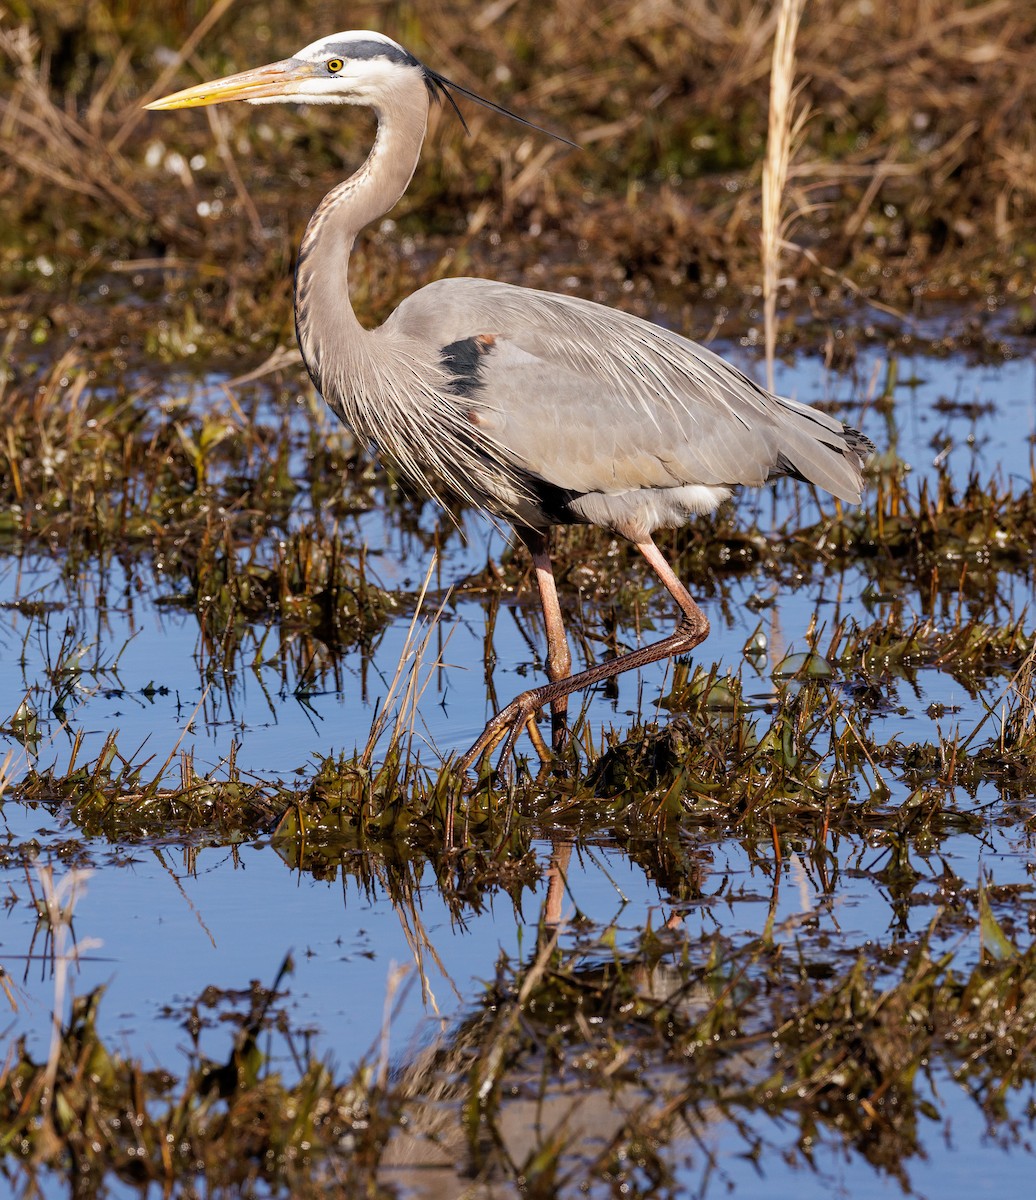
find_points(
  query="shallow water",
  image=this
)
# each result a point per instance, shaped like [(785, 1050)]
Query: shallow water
[(172, 920)]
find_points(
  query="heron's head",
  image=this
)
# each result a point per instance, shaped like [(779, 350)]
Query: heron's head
[(354, 67)]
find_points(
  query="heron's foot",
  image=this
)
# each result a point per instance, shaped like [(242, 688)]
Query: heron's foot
[(506, 727)]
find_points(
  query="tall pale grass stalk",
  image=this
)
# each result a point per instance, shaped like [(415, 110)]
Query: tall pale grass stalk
[(782, 132), (58, 906), (399, 709)]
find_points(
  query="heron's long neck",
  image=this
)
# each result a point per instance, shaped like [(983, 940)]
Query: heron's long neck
[(331, 338)]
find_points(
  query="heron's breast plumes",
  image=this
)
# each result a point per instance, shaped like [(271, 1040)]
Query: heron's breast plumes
[(419, 413)]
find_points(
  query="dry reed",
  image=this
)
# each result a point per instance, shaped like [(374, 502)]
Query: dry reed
[(784, 128)]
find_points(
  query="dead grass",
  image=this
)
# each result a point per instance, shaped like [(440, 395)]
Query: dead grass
[(913, 179)]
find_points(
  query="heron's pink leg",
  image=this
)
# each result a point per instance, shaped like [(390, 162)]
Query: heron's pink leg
[(691, 612), (692, 630), (559, 656)]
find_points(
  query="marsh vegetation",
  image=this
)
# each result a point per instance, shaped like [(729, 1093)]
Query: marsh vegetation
[(769, 925)]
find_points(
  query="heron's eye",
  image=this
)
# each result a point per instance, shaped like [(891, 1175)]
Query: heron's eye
[(334, 65)]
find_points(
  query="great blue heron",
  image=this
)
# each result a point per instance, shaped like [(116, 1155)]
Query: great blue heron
[(543, 409)]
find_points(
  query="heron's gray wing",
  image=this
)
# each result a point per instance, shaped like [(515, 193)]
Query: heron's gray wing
[(590, 398)]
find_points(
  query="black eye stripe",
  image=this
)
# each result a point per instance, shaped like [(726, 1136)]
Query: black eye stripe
[(371, 49)]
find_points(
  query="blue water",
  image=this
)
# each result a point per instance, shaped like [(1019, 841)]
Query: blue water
[(171, 919)]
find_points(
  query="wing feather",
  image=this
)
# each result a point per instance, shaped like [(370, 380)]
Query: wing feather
[(590, 398)]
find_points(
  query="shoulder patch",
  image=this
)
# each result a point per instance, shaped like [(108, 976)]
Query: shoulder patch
[(464, 360)]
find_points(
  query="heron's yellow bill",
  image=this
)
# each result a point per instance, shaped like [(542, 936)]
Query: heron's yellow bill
[(274, 82)]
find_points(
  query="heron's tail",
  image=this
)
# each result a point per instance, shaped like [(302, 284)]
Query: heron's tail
[(820, 450)]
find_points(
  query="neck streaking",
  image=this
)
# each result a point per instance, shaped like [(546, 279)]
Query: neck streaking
[(328, 332), (389, 386)]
